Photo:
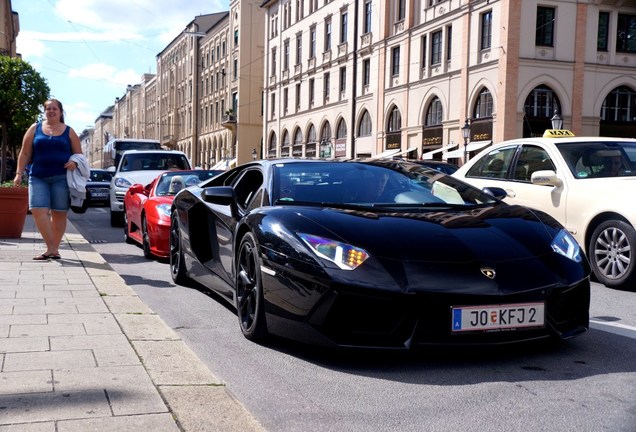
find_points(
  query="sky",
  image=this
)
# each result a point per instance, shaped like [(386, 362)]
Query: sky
[(89, 51)]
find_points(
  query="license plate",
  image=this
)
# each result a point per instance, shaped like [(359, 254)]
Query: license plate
[(99, 195), (497, 317)]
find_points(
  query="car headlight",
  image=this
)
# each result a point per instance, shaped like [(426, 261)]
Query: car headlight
[(564, 244), (345, 256), (164, 209), (122, 182)]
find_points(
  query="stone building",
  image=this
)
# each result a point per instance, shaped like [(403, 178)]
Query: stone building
[(402, 77)]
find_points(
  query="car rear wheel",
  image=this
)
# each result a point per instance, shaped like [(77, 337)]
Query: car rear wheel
[(145, 239), (611, 254), (177, 264), (249, 291)]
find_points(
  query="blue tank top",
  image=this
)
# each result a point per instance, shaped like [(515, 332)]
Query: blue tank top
[(50, 153)]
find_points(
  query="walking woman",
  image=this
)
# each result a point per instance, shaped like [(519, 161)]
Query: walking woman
[(48, 145)]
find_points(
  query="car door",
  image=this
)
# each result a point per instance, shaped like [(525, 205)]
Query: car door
[(511, 168), (247, 187)]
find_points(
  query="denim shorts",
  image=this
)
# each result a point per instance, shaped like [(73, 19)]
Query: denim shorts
[(50, 192)]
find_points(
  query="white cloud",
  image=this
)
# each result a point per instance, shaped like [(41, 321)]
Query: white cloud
[(107, 73)]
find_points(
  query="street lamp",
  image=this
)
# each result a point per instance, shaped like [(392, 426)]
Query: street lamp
[(466, 135), (557, 121), (254, 154)]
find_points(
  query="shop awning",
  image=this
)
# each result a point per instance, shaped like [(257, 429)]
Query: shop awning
[(386, 154), (459, 153), (429, 154), (224, 164)]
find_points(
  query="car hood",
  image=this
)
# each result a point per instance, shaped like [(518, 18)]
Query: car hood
[(436, 250), (98, 184), (142, 177)]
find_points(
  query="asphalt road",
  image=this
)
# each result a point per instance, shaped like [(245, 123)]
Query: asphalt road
[(586, 384)]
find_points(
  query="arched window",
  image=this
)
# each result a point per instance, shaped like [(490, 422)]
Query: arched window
[(619, 106), (341, 131), (285, 150), (298, 137), (434, 113), (483, 106), (272, 142), (325, 134), (311, 135), (395, 120), (539, 108), (364, 128)]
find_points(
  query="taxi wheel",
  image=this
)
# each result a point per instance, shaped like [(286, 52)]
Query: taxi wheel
[(611, 254)]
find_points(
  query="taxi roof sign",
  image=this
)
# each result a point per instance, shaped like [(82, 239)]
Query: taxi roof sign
[(557, 133)]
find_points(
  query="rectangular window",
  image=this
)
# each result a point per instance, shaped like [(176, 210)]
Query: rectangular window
[(366, 72), (325, 90), (285, 99), (299, 48), (367, 16), (297, 97), (626, 33), (423, 59), (313, 5), (343, 79), (603, 31), (327, 35), (235, 69), (436, 48), (545, 26), (395, 61), (312, 92), (449, 43), (273, 110), (236, 33), (273, 71), (312, 42), (344, 17), (300, 13), (286, 55), (486, 30), (401, 10)]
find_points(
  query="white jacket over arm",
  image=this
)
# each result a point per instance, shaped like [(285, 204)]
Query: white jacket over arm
[(78, 178)]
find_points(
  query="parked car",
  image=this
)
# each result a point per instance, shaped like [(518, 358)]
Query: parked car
[(140, 166), (574, 181), (98, 187), (377, 253), (147, 209)]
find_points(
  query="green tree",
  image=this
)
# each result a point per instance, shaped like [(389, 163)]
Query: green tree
[(23, 91)]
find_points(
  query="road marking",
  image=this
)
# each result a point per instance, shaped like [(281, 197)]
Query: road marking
[(613, 327)]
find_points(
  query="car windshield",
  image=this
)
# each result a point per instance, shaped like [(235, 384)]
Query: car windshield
[(172, 182), (371, 184), (153, 161), (594, 159), (100, 176)]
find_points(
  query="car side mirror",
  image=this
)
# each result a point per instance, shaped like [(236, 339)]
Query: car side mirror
[(136, 188), (546, 178)]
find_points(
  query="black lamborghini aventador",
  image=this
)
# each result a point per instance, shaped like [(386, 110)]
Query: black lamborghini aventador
[(386, 254)]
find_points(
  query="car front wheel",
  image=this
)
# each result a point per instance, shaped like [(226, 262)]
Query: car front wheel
[(177, 264), (249, 291), (145, 239), (611, 254)]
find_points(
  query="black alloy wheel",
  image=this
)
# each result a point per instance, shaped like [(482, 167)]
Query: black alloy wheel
[(611, 254), (177, 264), (249, 291), (145, 239)]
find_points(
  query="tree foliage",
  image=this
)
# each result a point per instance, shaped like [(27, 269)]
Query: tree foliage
[(23, 92)]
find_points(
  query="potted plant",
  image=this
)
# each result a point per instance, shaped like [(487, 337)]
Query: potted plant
[(14, 204)]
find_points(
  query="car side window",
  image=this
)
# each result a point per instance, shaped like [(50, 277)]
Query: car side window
[(531, 158), (247, 186), (493, 165)]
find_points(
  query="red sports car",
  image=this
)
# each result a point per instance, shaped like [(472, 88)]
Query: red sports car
[(147, 209)]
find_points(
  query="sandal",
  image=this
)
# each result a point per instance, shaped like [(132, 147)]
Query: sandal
[(44, 257)]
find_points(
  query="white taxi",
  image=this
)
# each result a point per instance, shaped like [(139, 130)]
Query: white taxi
[(588, 184)]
